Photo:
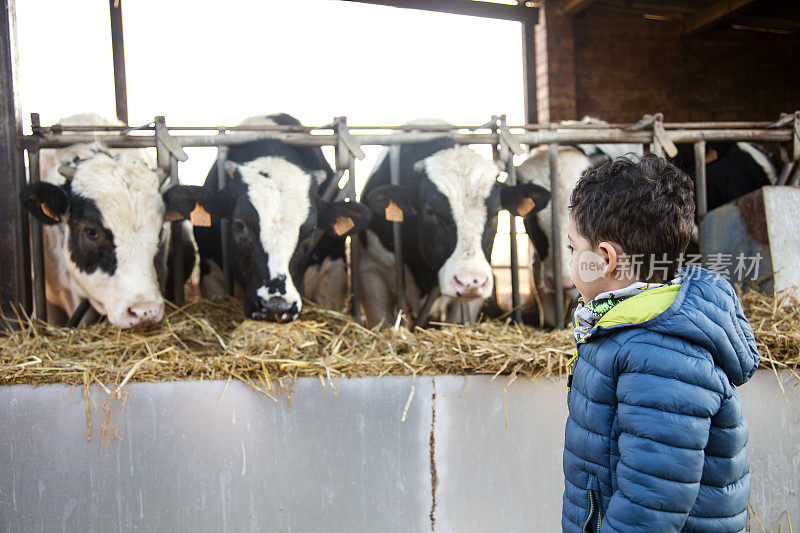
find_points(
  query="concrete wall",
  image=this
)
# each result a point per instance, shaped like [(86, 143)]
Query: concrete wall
[(614, 64), (193, 456)]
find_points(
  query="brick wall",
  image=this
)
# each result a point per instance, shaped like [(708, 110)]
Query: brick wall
[(624, 66)]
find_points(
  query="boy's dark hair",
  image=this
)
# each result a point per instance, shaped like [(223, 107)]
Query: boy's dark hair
[(645, 206)]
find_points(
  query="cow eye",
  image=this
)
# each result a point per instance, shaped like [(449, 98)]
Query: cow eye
[(91, 233), (239, 227)]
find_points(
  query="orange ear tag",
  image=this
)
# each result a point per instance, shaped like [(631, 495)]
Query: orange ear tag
[(172, 216), (200, 217), (711, 156), (525, 207), (393, 212), (49, 214), (343, 225)]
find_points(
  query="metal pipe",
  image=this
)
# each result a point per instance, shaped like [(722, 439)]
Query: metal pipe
[(177, 243), (355, 245), (425, 311), (514, 255), (555, 202), (79, 313), (397, 235), (118, 52), (37, 245), (224, 224), (701, 201), (533, 138)]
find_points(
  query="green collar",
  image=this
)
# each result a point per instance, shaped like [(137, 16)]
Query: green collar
[(640, 308)]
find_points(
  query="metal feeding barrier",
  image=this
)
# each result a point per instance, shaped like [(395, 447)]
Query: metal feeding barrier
[(506, 141)]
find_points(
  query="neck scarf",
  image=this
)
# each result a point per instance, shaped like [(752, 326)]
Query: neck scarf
[(588, 315)]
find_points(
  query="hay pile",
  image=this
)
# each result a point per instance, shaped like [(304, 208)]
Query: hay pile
[(212, 340)]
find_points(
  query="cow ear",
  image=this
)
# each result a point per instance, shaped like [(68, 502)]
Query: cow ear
[(390, 202), (47, 202), (319, 176), (341, 219), (231, 167), (199, 204), (524, 199)]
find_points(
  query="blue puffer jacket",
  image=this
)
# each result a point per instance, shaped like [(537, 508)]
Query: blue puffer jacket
[(655, 438)]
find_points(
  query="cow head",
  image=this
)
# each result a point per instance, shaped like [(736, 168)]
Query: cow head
[(455, 202), (112, 214), (274, 214)]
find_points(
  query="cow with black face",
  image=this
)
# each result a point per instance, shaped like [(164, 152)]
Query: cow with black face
[(277, 222), (103, 216), (448, 199)]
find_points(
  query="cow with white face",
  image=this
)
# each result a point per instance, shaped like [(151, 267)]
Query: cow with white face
[(278, 223), (104, 228), (449, 198)]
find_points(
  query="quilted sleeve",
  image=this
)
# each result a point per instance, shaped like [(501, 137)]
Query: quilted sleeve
[(666, 397)]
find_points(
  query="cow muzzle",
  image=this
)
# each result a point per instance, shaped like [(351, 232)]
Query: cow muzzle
[(470, 286), (139, 313), (275, 308)]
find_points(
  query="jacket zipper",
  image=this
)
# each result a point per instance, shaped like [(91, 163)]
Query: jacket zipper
[(591, 511)]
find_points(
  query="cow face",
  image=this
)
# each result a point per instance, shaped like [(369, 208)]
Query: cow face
[(274, 214), (111, 213), (455, 204)]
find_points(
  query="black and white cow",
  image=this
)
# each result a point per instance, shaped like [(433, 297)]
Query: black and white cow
[(283, 234), (449, 197), (104, 230)]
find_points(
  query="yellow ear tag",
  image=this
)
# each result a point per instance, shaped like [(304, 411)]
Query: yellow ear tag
[(172, 216), (200, 217), (49, 214), (393, 212), (525, 207), (342, 225)]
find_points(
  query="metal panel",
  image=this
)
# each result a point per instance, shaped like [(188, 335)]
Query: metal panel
[(193, 456), (187, 458)]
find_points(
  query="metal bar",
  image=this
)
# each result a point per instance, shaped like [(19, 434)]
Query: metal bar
[(555, 201), (529, 70), (574, 7), (533, 138), (712, 14), (79, 313), (512, 236), (118, 51), (355, 245), (397, 235), (425, 311), (224, 224), (15, 281), (176, 261), (700, 191), (491, 10), (37, 245)]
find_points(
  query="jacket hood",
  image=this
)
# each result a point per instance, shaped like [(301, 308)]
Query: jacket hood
[(703, 310)]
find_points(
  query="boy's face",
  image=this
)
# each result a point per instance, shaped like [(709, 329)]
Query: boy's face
[(593, 269)]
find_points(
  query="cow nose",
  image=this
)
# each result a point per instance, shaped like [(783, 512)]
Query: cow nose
[(277, 308), (145, 312), (469, 285)]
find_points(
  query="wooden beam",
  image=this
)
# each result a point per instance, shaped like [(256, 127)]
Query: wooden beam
[(519, 13), (574, 7), (712, 14)]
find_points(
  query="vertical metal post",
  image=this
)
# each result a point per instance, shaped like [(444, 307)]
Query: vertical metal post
[(224, 224), (14, 248), (529, 66), (700, 191), (397, 228), (557, 251), (512, 236), (355, 244), (37, 242), (176, 261), (118, 52)]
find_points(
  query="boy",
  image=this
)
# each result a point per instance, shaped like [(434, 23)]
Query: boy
[(655, 439)]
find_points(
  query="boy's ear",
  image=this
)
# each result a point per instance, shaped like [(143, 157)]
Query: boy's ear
[(609, 254), (199, 204), (391, 202), (46, 201), (341, 219), (523, 199)]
